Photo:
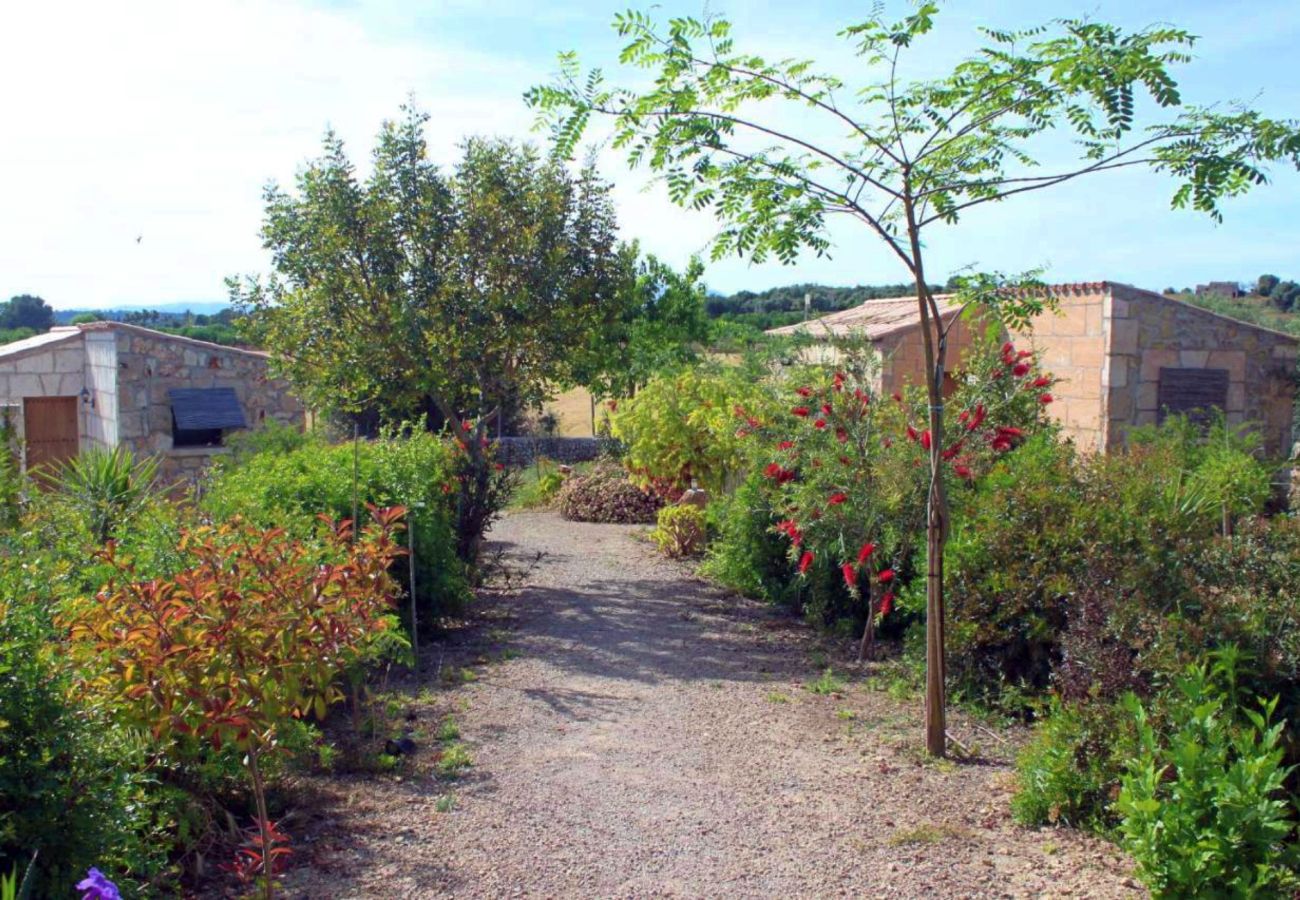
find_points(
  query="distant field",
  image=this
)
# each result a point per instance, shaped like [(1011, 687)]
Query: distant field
[(574, 411)]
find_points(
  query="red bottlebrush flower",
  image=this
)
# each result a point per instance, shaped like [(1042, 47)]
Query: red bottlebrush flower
[(785, 445), (998, 373), (962, 471), (1042, 381), (898, 398), (977, 418), (790, 528), (613, 405), (888, 442), (885, 576), (804, 391), (840, 434), (826, 408), (784, 476), (805, 561), (837, 498), (1010, 432), (839, 381), (500, 467), (1000, 444), (886, 604), (1008, 348), (964, 415), (820, 423), (801, 411), (912, 434), (861, 395), (850, 574), (753, 423), (1045, 399), (844, 460), (772, 470), (953, 450), (865, 553), (1020, 370), (1024, 354), (925, 439), (742, 432)]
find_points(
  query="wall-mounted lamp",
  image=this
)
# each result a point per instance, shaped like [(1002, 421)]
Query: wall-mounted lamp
[(87, 399)]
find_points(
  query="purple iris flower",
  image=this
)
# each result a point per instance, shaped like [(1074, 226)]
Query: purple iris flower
[(96, 886)]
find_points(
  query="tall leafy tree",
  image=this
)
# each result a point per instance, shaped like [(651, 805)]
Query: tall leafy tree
[(455, 295), (746, 138), (660, 323), (27, 311)]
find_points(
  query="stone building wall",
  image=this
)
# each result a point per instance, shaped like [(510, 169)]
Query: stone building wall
[(903, 353), (150, 364), (1151, 332), (1071, 342)]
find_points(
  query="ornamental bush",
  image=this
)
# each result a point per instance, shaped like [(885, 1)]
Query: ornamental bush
[(680, 530), (1202, 806), (604, 494), (682, 429)]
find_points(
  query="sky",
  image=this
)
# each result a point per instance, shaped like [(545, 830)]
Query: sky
[(136, 137)]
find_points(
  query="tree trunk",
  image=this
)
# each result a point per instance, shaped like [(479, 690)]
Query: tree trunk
[(867, 648), (936, 524)]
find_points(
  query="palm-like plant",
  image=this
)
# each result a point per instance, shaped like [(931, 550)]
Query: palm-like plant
[(108, 487)]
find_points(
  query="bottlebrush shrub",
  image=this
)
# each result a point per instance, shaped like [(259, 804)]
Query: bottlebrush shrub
[(258, 630), (604, 494), (850, 470), (680, 530), (747, 555), (682, 428)]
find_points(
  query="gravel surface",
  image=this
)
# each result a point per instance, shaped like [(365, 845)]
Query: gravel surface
[(644, 734)]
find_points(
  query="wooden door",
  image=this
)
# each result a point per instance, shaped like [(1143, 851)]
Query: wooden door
[(50, 429)]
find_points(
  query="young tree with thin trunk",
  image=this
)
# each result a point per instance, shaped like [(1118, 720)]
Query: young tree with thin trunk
[(908, 157)]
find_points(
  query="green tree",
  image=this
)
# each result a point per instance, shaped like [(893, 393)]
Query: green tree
[(1284, 295), (732, 132), (662, 325), (27, 311), (453, 295), (1265, 285)]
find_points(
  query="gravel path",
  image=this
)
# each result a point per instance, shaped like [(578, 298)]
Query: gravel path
[(646, 735)]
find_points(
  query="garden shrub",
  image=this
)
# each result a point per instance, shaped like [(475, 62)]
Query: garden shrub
[(604, 494), (73, 788), (1091, 571), (1069, 772), (681, 429), (747, 555), (259, 630), (1202, 803), (414, 469), (680, 530), (105, 489)]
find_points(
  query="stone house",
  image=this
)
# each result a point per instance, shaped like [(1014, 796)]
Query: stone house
[(109, 384), (1124, 357)]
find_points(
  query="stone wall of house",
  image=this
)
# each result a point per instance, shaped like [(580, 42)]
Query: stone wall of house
[(149, 365), (903, 354), (1071, 343), (1151, 332), (524, 451)]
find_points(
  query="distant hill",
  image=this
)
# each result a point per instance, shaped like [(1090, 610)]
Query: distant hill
[(779, 306), (173, 311)]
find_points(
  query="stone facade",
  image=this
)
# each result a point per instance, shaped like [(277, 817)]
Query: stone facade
[(122, 375)]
